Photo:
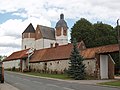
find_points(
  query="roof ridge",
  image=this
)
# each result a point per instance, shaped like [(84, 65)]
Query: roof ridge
[(45, 26), (101, 46)]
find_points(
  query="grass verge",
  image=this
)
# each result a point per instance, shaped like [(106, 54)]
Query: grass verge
[(112, 83), (57, 76)]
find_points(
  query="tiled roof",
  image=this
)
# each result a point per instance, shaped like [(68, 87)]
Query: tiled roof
[(49, 54), (17, 55), (47, 32), (62, 53), (90, 52), (29, 29)]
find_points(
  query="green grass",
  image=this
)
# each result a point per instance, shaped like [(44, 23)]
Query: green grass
[(57, 76), (113, 83)]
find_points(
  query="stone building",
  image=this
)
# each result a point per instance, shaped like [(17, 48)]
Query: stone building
[(45, 37), (47, 50)]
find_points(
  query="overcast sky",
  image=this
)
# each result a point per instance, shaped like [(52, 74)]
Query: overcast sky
[(15, 16)]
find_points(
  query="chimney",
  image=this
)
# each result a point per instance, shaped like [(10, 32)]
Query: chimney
[(56, 44)]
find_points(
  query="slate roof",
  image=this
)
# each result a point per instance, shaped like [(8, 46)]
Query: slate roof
[(47, 32), (61, 22), (29, 29)]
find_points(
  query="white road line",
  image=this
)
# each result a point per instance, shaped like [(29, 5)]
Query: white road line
[(68, 88), (59, 87), (52, 85), (37, 82)]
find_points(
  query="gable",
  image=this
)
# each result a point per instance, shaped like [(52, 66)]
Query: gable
[(45, 32)]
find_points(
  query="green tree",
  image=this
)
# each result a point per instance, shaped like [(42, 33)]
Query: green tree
[(94, 35), (76, 69), (82, 30), (104, 34)]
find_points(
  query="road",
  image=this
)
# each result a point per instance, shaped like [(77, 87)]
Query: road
[(23, 82)]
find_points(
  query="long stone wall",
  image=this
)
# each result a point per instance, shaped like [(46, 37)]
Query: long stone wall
[(11, 64), (51, 66), (60, 66)]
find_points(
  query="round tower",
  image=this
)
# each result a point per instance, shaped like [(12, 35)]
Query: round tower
[(61, 31), (28, 37)]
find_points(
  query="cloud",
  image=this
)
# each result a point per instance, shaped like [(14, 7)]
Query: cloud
[(11, 32), (44, 12)]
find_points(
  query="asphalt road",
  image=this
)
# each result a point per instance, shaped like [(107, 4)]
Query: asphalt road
[(23, 82)]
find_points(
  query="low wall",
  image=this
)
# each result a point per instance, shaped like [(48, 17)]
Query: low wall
[(11, 64), (60, 66)]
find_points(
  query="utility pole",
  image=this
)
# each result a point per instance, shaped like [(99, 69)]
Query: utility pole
[(118, 29)]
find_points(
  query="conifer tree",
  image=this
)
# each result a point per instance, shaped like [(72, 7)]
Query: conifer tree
[(76, 69)]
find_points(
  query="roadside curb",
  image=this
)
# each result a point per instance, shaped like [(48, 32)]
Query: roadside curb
[(70, 81), (108, 86)]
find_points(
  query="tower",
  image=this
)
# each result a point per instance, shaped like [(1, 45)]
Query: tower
[(61, 31), (28, 37)]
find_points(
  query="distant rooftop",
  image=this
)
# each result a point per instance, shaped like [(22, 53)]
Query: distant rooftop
[(29, 29), (61, 22)]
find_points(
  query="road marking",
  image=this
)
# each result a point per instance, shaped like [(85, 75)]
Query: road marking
[(60, 87), (37, 82), (53, 85), (68, 88)]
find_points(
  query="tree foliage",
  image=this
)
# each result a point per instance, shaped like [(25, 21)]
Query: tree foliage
[(76, 69), (82, 30), (93, 35)]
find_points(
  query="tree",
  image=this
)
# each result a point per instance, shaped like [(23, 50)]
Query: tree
[(76, 69), (93, 35), (83, 30), (104, 34)]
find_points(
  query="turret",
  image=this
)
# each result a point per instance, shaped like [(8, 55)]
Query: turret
[(61, 31), (28, 37)]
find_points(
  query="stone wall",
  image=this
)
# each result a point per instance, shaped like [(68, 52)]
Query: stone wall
[(90, 66), (59, 66), (11, 64), (51, 66)]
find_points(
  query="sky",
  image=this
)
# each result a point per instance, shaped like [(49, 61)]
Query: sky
[(16, 15)]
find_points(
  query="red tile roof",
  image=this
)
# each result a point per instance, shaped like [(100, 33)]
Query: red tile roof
[(90, 52), (62, 52), (49, 54), (17, 55)]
